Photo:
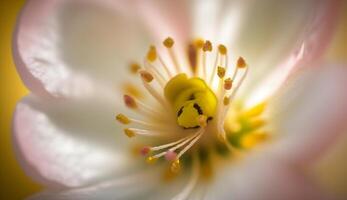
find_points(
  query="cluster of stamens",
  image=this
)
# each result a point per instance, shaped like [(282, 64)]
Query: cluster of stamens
[(155, 72)]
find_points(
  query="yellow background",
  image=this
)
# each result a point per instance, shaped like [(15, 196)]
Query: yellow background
[(14, 184)]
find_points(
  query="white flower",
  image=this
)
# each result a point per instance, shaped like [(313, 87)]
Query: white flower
[(73, 56)]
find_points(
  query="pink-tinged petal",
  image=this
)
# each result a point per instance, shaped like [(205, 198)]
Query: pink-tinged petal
[(166, 18), (308, 49), (74, 143), (146, 184), (310, 113), (62, 47), (262, 178)]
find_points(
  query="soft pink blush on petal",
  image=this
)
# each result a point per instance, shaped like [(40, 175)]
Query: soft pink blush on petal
[(308, 52), (310, 113), (54, 59)]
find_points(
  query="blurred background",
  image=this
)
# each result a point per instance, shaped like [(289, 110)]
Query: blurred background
[(15, 184)]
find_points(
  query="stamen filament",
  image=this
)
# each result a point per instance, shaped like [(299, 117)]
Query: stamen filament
[(199, 134), (168, 43)]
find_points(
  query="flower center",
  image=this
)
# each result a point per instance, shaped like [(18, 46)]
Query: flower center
[(195, 113)]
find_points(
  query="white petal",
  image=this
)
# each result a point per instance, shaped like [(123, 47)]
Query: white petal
[(144, 184), (66, 47), (299, 45), (310, 113), (262, 178), (69, 143)]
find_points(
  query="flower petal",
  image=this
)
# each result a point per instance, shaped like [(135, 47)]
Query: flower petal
[(73, 143), (304, 48), (59, 45), (264, 178), (310, 113)]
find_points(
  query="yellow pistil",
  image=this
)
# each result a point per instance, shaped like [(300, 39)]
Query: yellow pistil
[(123, 119)]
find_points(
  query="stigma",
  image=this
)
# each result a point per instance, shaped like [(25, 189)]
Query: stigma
[(193, 103)]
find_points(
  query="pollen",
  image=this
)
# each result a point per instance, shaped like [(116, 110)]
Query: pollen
[(152, 54), (228, 83), (207, 46), (222, 49), (134, 67), (129, 101), (129, 133), (123, 119), (168, 42), (241, 63), (221, 72), (146, 76)]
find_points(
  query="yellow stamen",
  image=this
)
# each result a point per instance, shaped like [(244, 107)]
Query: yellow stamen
[(222, 49), (199, 43), (228, 83), (152, 54), (175, 166), (133, 90), (168, 42), (146, 76), (123, 119), (207, 46), (241, 63), (151, 160), (221, 72), (256, 110), (134, 68), (226, 101), (129, 133), (129, 101), (252, 139), (256, 123)]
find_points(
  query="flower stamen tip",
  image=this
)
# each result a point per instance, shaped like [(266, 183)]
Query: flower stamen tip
[(175, 166), (122, 119), (146, 76), (228, 83), (222, 49), (170, 156), (168, 42), (130, 102), (152, 54), (207, 46), (221, 72), (129, 133), (151, 160), (145, 151), (241, 63)]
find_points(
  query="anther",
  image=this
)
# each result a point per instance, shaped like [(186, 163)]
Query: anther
[(176, 166), (152, 54), (222, 49), (207, 46), (134, 68), (151, 160), (145, 151), (221, 72), (170, 155), (168, 42), (146, 76), (123, 119), (241, 63), (199, 43), (226, 101), (228, 83), (129, 101), (129, 133)]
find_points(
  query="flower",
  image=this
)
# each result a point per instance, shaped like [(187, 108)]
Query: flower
[(71, 55)]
